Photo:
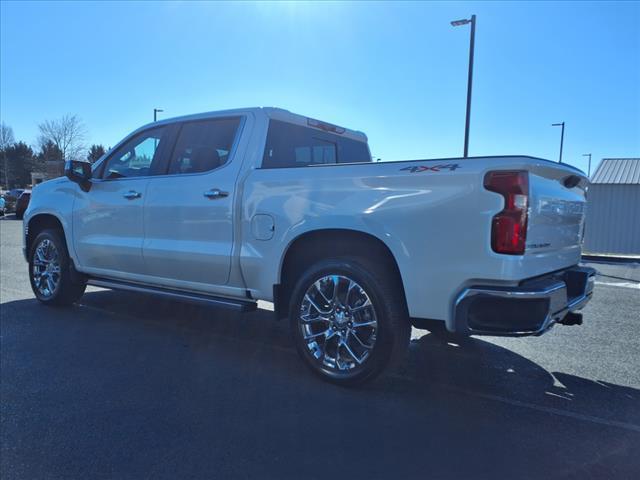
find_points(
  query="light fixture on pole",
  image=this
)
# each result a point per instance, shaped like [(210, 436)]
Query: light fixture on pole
[(589, 170), (472, 41), (155, 113), (561, 137)]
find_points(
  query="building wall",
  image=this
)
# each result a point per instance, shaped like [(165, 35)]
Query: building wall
[(613, 220), (37, 177)]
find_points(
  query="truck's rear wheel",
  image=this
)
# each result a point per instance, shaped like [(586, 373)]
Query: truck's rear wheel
[(52, 278), (348, 320)]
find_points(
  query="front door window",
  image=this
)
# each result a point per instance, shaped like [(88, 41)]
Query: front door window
[(136, 157)]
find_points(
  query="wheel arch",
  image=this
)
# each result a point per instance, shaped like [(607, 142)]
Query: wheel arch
[(42, 221), (314, 245)]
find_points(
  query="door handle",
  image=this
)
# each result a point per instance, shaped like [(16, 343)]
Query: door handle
[(132, 194), (215, 193)]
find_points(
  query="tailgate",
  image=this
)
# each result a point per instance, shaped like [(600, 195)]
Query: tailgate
[(557, 206)]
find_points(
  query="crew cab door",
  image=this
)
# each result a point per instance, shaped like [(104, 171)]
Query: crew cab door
[(107, 220), (188, 215)]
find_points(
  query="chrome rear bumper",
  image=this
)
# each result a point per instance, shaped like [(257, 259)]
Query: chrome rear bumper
[(528, 309)]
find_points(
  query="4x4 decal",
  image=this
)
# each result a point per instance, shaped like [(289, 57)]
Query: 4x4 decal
[(435, 168)]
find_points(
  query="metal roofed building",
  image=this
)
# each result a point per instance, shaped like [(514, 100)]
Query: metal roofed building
[(613, 209)]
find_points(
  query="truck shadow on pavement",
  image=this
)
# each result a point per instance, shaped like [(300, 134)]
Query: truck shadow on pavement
[(480, 368), (475, 367), (133, 386)]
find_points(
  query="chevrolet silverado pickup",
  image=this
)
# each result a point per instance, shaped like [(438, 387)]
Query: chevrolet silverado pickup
[(237, 206)]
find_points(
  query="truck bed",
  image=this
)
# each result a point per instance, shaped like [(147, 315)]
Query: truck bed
[(434, 215)]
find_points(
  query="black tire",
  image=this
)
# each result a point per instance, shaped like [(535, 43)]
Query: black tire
[(392, 332), (70, 286)]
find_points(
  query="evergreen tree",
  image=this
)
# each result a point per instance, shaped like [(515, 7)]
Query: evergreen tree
[(6, 140), (20, 162), (49, 151), (95, 152)]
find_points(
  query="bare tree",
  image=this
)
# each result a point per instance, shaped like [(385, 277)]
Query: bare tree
[(6, 136), (68, 134), (6, 140)]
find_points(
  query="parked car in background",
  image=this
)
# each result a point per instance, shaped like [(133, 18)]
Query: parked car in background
[(275, 206), (22, 203), (11, 198)]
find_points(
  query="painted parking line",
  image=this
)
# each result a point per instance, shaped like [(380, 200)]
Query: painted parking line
[(635, 286), (550, 410)]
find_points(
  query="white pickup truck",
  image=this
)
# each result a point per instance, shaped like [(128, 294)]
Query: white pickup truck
[(235, 206)]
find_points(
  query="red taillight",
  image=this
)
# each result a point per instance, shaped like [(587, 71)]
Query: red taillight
[(509, 227)]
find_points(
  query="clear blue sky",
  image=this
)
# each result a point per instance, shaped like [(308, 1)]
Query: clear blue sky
[(394, 70)]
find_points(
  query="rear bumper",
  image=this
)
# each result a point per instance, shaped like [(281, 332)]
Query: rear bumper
[(528, 309)]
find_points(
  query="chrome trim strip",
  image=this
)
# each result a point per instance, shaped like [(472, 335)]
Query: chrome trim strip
[(509, 293)]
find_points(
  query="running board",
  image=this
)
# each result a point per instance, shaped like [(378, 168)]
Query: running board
[(229, 303)]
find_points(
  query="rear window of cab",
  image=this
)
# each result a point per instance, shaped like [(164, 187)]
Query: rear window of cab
[(290, 145)]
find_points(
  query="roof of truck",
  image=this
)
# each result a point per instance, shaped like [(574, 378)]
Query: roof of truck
[(277, 114)]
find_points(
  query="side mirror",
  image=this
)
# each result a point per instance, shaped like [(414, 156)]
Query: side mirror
[(78, 172)]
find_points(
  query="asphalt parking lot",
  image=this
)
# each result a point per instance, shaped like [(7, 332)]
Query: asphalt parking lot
[(130, 386)]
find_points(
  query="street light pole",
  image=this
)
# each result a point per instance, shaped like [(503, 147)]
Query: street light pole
[(561, 137), (155, 113), (472, 42), (589, 170)]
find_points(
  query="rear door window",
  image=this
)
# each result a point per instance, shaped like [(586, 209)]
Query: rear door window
[(290, 145), (203, 145)]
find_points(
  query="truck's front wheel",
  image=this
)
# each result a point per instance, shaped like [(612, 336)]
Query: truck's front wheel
[(53, 280), (348, 319)]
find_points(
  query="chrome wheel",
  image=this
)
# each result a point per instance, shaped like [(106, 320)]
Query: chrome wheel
[(338, 323), (46, 268)]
